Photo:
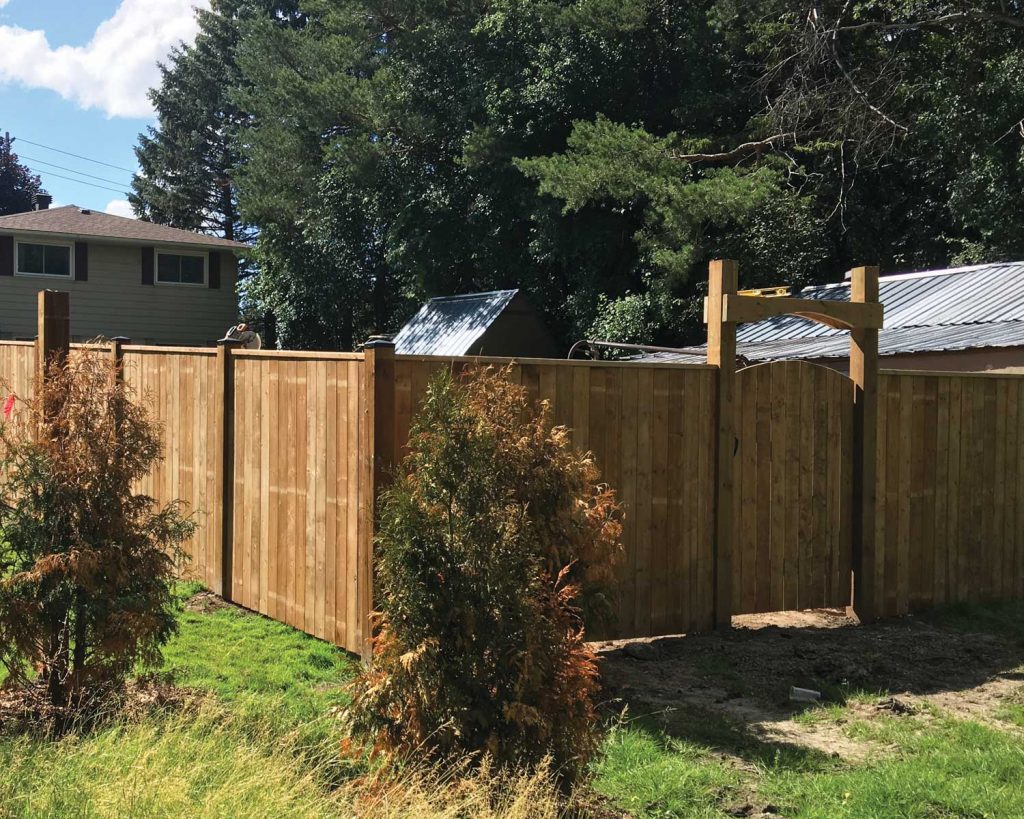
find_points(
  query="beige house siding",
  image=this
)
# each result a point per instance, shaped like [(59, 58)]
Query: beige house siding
[(114, 302), (1007, 360)]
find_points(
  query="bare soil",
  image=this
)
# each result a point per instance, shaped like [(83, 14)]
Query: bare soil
[(742, 679), (205, 602)]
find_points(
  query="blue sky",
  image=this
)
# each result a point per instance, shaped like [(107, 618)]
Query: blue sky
[(73, 77)]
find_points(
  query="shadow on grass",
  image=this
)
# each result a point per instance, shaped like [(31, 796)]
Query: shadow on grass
[(718, 690)]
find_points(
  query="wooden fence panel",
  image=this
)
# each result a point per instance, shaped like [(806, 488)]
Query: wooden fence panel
[(793, 497), (950, 478), (17, 368), (178, 385), (298, 490), (950, 489), (651, 429)]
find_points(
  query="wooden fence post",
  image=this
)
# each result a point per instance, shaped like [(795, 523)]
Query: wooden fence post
[(864, 374), (54, 322), (222, 576), (117, 356), (379, 455), (723, 279)]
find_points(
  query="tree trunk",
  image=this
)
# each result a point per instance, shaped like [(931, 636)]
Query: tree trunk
[(80, 635), (57, 662)]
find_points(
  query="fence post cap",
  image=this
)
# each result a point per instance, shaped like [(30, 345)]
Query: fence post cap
[(229, 342), (377, 342), (121, 339)]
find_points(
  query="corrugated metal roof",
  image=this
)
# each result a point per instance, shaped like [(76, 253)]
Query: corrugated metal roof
[(892, 342), (963, 308), (937, 299), (451, 325)]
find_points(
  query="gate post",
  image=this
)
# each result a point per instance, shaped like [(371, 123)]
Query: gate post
[(723, 279), (864, 374)]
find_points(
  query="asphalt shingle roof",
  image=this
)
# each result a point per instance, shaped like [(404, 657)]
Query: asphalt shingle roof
[(71, 220), (451, 325)]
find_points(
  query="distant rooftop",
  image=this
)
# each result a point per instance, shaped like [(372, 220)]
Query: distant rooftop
[(451, 325), (936, 310), (75, 222), (962, 308)]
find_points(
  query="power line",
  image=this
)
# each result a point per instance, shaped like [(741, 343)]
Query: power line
[(76, 156), (122, 191), (72, 170)]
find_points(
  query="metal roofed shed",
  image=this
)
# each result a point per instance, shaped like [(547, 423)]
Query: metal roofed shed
[(965, 319), (497, 323)]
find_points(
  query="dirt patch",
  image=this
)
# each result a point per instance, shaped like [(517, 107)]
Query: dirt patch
[(205, 602), (743, 678), (26, 709)]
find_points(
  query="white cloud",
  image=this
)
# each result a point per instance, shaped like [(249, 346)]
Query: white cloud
[(119, 207), (113, 71)]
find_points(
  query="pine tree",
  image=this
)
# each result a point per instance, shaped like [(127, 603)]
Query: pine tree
[(17, 183), (188, 158)]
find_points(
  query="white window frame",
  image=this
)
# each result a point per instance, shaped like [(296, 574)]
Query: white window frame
[(170, 251), (71, 259)]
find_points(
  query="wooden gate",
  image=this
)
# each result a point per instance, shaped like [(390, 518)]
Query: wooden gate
[(793, 488)]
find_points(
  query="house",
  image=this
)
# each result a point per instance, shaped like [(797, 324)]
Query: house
[(151, 283), (965, 319), (499, 323)]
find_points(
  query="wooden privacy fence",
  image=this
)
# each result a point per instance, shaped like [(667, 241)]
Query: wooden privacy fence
[(281, 455)]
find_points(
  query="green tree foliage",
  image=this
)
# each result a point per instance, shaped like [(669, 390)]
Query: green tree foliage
[(187, 160), (86, 564), (17, 183), (489, 544), (590, 151)]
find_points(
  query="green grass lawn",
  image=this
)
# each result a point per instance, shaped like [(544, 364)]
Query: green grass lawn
[(264, 742), (931, 767)]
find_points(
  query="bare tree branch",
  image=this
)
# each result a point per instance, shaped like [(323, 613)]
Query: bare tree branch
[(740, 151), (940, 22)]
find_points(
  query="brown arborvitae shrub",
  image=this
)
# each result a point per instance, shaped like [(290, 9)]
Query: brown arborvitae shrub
[(86, 564), (491, 539)]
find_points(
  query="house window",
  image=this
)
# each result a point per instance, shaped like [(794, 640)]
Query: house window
[(44, 260), (181, 268)]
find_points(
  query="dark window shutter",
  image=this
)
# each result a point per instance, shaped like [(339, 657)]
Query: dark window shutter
[(81, 262), (148, 259), (214, 278), (6, 255)]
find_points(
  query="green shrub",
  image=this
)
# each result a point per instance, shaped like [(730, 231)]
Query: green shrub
[(86, 565), (489, 541)]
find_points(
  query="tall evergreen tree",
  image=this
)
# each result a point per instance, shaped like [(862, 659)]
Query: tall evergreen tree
[(188, 159), (596, 153), (17, 183)]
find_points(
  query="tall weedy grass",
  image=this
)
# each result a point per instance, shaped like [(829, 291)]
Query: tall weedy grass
[(212, 763)]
